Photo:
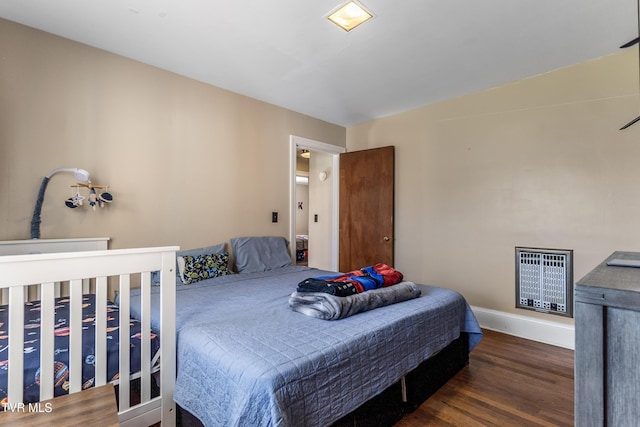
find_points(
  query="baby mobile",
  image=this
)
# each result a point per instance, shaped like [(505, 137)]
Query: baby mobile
[(95, 200)]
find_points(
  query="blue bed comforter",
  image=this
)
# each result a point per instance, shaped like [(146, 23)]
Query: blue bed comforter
[(245, 358)]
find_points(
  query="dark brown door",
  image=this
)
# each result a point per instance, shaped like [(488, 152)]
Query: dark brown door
[(366, 208)]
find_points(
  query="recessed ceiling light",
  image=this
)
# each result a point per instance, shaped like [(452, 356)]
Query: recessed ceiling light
[(350, 15)]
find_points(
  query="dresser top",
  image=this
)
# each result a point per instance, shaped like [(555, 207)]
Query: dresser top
[(614, 277)]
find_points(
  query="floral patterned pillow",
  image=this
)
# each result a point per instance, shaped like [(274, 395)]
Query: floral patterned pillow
[(201, 267)]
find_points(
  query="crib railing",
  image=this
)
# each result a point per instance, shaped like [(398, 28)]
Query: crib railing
[(47, 271), (45, 246)]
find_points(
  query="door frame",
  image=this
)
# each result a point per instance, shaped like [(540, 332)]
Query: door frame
[(296, 142)]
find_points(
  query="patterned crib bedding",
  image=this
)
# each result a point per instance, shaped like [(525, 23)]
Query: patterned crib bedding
[(61, 345)]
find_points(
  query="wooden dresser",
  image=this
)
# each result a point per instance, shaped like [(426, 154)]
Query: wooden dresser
[(92, 407), (607, 347)]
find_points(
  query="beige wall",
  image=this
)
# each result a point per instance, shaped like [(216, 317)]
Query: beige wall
[(187, 163), (539, 162), (321, 203)]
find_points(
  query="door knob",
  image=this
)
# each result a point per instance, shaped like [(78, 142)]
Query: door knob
[(386, 239)]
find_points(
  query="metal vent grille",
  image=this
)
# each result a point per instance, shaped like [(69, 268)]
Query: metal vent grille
[(544, 280)]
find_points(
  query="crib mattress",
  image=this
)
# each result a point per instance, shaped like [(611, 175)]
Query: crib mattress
[(61, 353)]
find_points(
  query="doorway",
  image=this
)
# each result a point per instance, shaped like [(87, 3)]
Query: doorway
[(324, 182)]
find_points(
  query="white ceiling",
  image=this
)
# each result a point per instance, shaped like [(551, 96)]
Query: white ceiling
[(413, 53)]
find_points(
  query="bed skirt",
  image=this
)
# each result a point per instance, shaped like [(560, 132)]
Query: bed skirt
[(389, 407)]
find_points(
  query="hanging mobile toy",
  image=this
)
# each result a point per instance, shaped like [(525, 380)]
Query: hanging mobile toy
[(78, 198), (105, 197), (93, 198), (69, 202)]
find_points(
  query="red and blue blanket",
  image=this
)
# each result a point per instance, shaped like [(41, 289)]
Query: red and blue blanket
[(353, 282)]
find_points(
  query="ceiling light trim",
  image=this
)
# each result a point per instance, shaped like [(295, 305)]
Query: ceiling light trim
[(350, 15)]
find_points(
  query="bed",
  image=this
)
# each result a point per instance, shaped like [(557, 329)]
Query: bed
[(54, 345), (245, 358)]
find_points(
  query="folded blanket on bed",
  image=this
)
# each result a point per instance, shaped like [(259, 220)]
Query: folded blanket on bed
[(353, 282), (330, 307)]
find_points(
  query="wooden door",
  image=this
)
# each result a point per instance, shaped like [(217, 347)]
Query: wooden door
[(366, 208)]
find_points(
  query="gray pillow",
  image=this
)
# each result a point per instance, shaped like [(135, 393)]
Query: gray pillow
[(253, 254), (155, 275)]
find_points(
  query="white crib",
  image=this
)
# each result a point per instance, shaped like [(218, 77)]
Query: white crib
[(46, 272)]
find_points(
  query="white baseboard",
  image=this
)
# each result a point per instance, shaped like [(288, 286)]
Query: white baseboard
[(548, 332)]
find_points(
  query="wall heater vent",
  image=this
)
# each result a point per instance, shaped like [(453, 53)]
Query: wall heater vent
[(544, 280)]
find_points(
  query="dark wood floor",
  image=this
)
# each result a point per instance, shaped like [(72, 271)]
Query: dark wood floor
[(509, 381)]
